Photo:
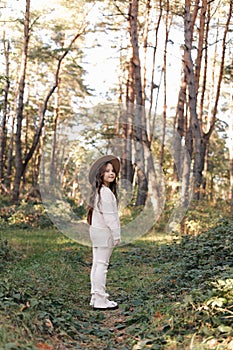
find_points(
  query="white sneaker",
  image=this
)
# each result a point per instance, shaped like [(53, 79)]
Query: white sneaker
[(100, 302), (109, 305)]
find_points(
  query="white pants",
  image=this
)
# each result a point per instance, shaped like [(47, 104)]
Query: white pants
[(101, 256)]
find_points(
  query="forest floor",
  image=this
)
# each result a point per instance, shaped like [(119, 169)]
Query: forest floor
[(174, 292)]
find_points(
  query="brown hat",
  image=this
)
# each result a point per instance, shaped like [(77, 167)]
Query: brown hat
[(101, 161)]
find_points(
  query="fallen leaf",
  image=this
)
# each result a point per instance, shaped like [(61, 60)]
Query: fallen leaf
[(44, 346)]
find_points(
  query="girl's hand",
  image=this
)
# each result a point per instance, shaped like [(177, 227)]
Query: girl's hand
[(117, 242)]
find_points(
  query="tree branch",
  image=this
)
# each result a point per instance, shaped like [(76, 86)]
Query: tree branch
[(45, 105), (215, 109)]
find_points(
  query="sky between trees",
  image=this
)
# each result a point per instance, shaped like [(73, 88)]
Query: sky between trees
[(173, 58)]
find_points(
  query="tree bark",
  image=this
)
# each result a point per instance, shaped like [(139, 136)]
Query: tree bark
[(204, 79), (200, 138), (180, 124), (21, 164), (198, 148), (126, 120), (167, 29), (139, 122), (145, 46), (220, 76), (201, 35), (19, 115), (153, 86), (46, 101), (54, 144), (3, 130)]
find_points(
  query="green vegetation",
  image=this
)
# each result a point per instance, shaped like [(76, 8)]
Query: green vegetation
[(175, 292), (80, 79)]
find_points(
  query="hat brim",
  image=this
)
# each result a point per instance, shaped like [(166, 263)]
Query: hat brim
[(100, 162)]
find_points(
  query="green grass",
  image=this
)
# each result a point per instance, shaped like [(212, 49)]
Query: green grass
[(173, 293)]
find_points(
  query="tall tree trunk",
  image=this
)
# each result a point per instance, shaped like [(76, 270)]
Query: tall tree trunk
[(139, 122), (23, 164), (201, 36), (153, 86), (205, 170), (200, 139), (145, 45), (204, 79), (54, 143), (20, 108), (221, 71), (167, 29), (126, 120), (180, 124), (213, 114), (3, 129), (10, 155), (198, 148), (26, 137)]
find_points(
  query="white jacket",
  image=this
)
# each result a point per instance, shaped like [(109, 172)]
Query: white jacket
[(105, 227)]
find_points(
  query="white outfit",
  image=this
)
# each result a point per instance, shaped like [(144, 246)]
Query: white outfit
[(104, 231)]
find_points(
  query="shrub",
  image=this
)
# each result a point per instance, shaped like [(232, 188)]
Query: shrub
[(26, 215)]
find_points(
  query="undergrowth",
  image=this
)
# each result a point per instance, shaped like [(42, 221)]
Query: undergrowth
[(174, 292)]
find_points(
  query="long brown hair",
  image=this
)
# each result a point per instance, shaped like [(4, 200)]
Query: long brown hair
[(96, 187)]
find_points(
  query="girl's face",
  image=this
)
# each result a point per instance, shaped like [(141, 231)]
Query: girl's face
[(109, 174)]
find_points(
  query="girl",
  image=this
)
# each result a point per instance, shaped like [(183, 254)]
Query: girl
[(104, 224)]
